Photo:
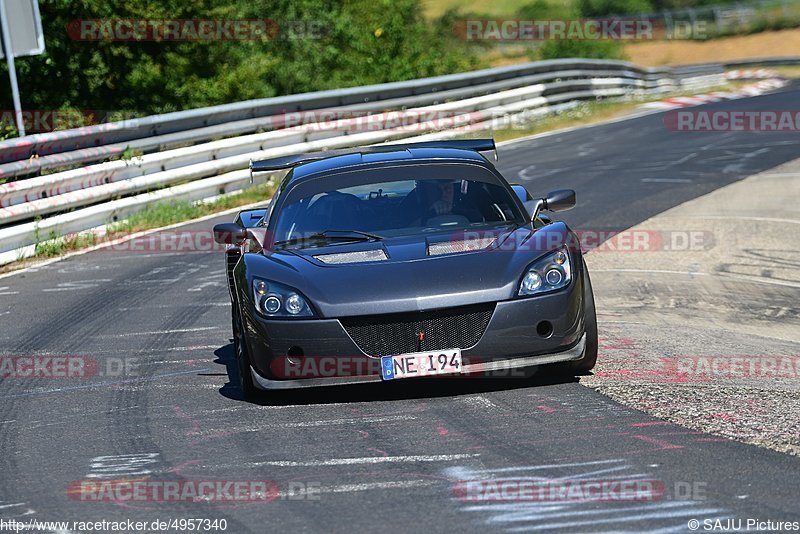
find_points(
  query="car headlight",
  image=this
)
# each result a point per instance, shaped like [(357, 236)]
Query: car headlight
[(278, 300), (548, 273)]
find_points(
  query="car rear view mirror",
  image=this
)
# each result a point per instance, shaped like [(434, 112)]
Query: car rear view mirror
[(229, 234)]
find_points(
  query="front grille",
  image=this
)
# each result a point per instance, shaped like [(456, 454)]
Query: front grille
[(398, 333)]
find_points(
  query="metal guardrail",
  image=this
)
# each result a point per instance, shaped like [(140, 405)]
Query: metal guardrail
[(91, 137), (764, 62), (248, 126), (212, 167)]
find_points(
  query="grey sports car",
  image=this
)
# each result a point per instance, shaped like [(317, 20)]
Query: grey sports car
[(402, 261)]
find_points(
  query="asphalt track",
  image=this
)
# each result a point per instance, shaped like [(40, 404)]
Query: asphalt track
[(376, 457)]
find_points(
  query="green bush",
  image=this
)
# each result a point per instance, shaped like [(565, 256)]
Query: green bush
[(546, 10), (598, 49), (361, 42), (601, 8)]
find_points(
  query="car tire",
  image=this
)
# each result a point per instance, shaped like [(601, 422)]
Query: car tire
[(246, 385), (589, 358)]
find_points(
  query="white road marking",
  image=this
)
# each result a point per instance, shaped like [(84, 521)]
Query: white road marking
[(754, 279), (2, 506), (162, 332), (122, 465), (653, 271), (461, 472), (349, 421), (667, 180), (168, 306), (743, 218), (481, 402), (76, 285), (350, 488), (656, 511), (179, 349), (368, 460), (528, 173), (304, 424)]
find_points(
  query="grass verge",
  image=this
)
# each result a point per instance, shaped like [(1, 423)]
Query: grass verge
[(156, 215)]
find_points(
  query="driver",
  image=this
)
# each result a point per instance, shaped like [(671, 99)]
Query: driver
[(434, 198), (440, 196)]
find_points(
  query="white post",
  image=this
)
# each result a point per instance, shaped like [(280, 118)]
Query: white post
[(12, 72)]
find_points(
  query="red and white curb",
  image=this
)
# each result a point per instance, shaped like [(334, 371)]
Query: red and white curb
[(750, 74), (770, 80)]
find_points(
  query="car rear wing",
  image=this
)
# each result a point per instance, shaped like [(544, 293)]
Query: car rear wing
[(289, 162)]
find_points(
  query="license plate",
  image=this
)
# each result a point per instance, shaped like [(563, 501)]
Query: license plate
[(440, 362)]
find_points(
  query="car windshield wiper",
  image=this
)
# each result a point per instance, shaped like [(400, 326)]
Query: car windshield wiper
[(330, 235)]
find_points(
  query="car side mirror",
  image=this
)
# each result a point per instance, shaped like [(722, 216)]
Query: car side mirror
[(250, 218), (230, 234), (561, 200)]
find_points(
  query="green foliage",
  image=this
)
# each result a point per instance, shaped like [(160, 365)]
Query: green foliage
[(547, 10), (129, 153), (600, 8), (158, 214), (357, 42), (7, 131), (167, 212), (593, 49)]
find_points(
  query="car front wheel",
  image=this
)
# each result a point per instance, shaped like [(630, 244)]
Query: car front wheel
[(589, 359), (587, 362), (246, 385)]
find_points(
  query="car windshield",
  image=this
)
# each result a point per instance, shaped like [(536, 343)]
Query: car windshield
[(384, 209)]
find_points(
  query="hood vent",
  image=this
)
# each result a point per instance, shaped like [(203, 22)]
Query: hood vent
[(359, 256), (463, 245)]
